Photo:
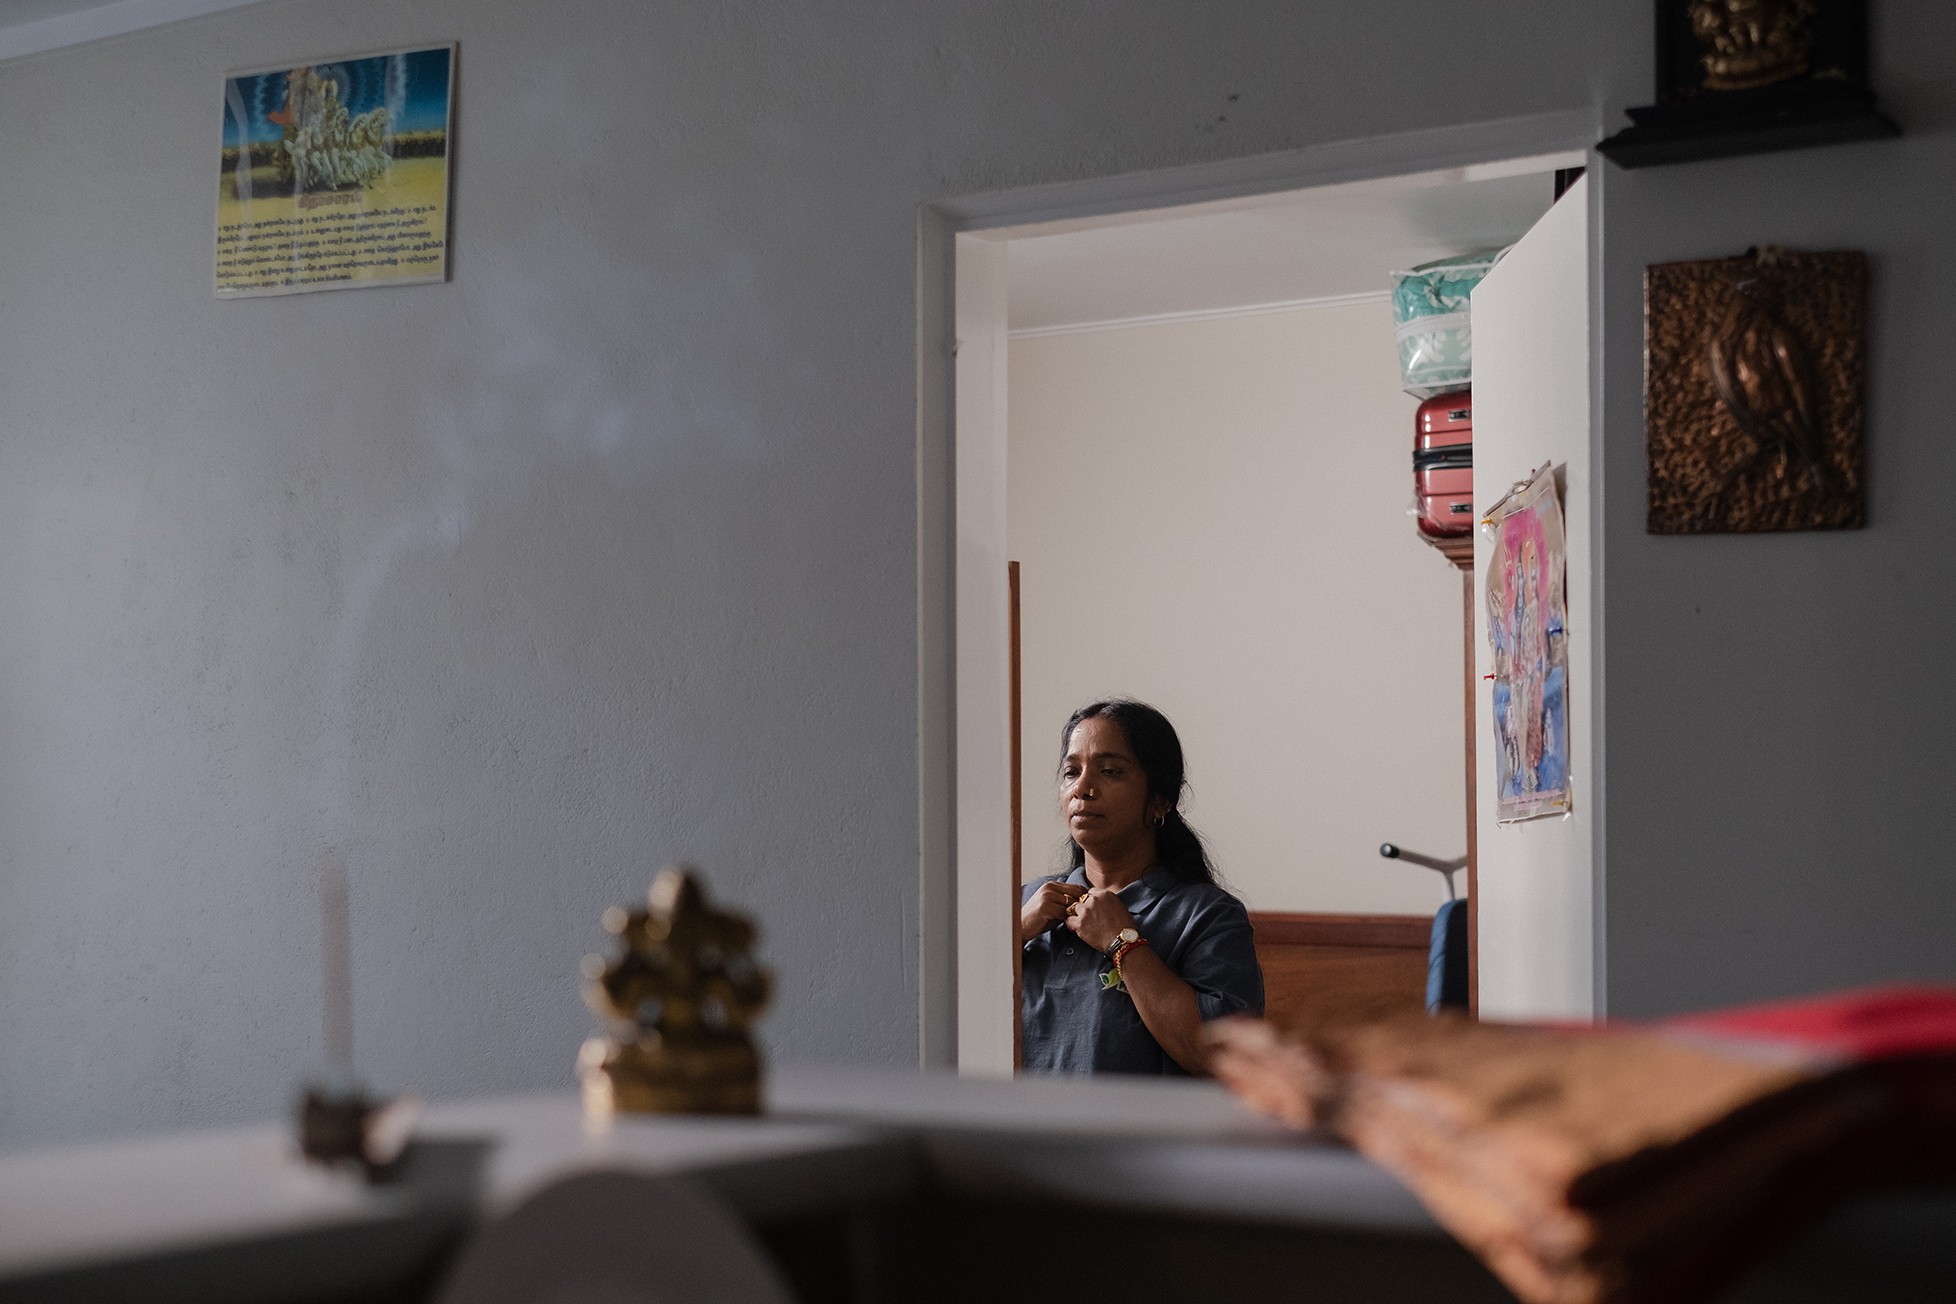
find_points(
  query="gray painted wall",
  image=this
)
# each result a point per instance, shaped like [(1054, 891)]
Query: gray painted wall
[(1780, 710), (604, 553)]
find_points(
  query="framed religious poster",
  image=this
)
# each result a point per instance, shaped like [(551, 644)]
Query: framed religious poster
[(334, 175), (1528, 628)]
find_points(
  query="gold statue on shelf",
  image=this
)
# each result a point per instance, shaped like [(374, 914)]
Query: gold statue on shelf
[(682, 990), (1750, 43)]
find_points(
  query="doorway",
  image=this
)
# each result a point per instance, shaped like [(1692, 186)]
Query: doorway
[(1272, 665)]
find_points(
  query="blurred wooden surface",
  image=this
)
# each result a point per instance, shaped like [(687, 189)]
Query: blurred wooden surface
[(1327, 967)]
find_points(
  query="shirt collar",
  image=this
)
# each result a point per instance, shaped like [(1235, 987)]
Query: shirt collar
[(1139, 894)]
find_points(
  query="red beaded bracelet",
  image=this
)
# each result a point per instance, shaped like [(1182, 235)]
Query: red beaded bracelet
[(1125, 948)]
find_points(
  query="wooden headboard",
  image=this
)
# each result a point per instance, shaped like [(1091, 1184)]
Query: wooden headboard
[(1319, 967)]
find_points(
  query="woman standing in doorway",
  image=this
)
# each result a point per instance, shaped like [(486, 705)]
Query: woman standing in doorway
[(1130, 953)]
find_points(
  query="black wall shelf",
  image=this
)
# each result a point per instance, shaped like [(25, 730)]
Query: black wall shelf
[(1785, 74), (1748, 122)]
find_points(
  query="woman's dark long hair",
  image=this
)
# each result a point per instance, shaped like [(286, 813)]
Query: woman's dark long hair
[(1178, 847)]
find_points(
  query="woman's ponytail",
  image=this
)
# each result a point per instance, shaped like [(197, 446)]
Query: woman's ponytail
[(1180, 850)]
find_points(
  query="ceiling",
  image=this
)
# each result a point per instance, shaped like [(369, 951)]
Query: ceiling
[(1329, 242), (34, 26), (27, 11)]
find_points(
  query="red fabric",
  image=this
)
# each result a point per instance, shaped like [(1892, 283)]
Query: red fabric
[(1868, 1023)]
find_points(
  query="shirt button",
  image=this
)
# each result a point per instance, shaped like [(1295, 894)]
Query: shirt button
[(1069, 950)]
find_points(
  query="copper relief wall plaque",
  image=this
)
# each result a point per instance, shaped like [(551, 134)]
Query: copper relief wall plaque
[(1753, 374)]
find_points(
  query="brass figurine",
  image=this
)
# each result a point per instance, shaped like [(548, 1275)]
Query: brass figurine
[(1753, 374), (1751, 43), (681, 992)]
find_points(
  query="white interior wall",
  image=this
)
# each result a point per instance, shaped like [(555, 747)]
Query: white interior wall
[(1531, 316), (1210, 516), (987, 911)]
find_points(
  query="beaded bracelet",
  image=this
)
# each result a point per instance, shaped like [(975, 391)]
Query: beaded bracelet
[(1121, 954)]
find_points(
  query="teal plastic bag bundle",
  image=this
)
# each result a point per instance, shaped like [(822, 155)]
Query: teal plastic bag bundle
[(1429, 303)]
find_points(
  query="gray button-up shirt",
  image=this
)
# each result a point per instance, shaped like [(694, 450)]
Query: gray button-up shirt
[(1074, 1025)]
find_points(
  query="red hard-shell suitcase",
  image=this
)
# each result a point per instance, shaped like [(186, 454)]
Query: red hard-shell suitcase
[(1443, 464)]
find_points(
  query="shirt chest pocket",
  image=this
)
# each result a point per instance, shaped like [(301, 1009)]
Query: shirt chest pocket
[(1117, 1012)]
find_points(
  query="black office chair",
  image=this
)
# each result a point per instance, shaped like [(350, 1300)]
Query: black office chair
[(1446, 953)]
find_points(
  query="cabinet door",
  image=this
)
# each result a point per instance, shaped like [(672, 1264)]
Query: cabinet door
[(1538, 901)]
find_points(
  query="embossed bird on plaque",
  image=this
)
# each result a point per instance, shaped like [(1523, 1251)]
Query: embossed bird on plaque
[(1753, 379), (680, 992)]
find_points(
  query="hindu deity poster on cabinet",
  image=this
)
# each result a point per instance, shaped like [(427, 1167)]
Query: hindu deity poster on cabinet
[(1527, 624), (335, 175)]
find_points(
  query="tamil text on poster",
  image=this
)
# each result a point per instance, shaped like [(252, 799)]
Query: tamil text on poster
[(335, 175), (1527, 624)]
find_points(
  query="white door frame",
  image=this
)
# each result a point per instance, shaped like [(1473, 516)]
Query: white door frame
[(961, 636)]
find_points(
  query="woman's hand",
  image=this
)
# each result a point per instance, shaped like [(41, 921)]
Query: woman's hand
[(1046, 907), (1099, 917)]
